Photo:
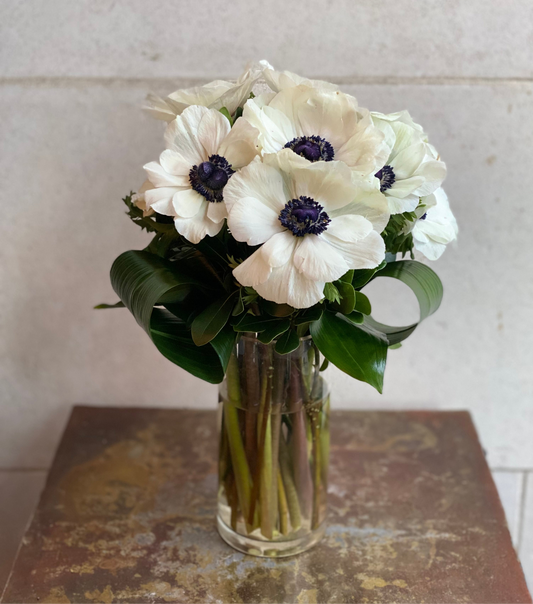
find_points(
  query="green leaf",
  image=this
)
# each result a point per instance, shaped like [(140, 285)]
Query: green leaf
[(274, 331), (427, 288), (173, 339), (255, 324), (331, 293), (325, 365), (362, 304), (352, 348), (277, 310), (210, 321), (223, 344), (238, 309), (116, 305), (311, 314), (347, 302), (143, 280), (356, 317), (288, 342), (362, 276), (347, 277), (226, 113)]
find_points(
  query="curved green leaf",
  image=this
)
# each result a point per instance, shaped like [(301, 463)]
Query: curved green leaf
[(288, 342), (274, 330), (143, 280), (426, 286), (209, 322), (357, 351)]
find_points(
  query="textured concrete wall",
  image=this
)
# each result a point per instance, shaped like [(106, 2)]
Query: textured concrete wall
[(72, 78)]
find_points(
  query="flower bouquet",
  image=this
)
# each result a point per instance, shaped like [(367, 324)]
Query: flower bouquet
[(269, 214)]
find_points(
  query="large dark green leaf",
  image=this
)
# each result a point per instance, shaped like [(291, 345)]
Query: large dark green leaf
[(352, 348), (173, 339), (274, 330), (287, 342), (210, 321), (426, 286), (142, 281)]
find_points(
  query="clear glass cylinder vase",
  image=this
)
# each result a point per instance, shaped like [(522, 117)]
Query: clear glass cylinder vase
[(274, 449)]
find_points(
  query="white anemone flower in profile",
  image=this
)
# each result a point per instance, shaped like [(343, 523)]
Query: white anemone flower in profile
[(412, 169), (317, 125), (279, 80), (139, 199), (214, 95), (314, 223), (202, 154), (436, 227)]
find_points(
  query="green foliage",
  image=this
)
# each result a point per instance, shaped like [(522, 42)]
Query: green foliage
[(427, 288), (353, 349), (331, 293), (142, 281), (186, 298), (397, 236)]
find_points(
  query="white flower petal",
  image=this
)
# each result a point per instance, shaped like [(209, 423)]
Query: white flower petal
[(328, 183), (217, 211), (159, 177), (368, 253), (181, 135), (161, 200), (188, 203), (241, 145), (196, 228), (398, 205), (318, 260), (407, 161), (260, 181), (278, 250), (433, 172), (175, 164), (350, 228), (275, 128), (253, 271), (212, 130), (160, 108), (279, 80), (286, 285), (369, 203), (252, 221)]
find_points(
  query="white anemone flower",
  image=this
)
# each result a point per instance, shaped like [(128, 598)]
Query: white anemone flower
[(311, 225), (412, 169), (436, 227), (214, 95), (202, 154), (280, 80), (139, 199), (317, 125)]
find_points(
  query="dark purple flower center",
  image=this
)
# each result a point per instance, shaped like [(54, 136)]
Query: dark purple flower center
[(313, 148), (210, 177), (386, 178), (304, 216), (424, 216)]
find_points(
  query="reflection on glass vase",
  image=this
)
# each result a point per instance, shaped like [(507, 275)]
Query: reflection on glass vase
[(274, 449)]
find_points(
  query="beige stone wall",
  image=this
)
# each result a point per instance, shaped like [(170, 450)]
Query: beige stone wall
[(73, 74)]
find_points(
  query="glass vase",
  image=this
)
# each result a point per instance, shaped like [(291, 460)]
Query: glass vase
[(274, 449)]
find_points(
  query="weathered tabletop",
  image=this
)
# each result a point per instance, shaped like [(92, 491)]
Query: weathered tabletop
[(127, 515)]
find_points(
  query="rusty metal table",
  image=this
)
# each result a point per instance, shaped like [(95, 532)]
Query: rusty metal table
[(127, 515)]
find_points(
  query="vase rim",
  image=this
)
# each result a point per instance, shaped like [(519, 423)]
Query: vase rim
[(252, 335)]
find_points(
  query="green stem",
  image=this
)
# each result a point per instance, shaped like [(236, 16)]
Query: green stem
[(283, 508), (290, 489), (300, 457), (314, 416), (241, 470), (251, 379)]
